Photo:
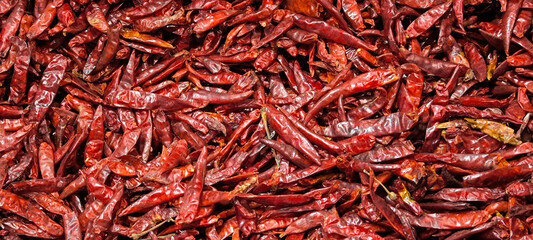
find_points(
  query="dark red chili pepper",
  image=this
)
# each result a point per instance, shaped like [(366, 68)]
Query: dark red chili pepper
[(10, 27), (44, 20), (358, 84), (426, 20), (19, 79), (329, 32), (189, 208), (175, 132), (156, 197), (288, 132), (451, 220), (109, 51), (508, 22), (146, 9), (17, 205)]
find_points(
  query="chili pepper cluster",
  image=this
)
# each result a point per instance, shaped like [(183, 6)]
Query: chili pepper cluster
[(249, 119)]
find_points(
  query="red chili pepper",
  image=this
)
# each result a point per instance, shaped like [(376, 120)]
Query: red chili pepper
[(508, 22), (11, 26), (329, 32), (358, 84), (109, 51), (17, 205), (451, 220), (161, 195)]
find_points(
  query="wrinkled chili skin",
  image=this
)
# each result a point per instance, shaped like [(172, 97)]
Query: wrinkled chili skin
[(272, 119)]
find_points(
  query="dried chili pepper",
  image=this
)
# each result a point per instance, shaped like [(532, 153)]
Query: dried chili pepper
[(177, 125)]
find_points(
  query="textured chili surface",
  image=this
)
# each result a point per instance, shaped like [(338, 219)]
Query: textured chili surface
[(266, 119)]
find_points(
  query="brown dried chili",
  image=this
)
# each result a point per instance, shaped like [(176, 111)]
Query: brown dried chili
[(294, 119)]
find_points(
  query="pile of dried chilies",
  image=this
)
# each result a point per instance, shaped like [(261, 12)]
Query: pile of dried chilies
[(249, 119)]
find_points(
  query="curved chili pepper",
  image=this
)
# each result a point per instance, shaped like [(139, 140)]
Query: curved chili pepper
[(358, 84), (10, 26), (281, 28), (44, 20), (202, 96), (146, 9), (149, 24), (15, 204), (288, 132), (144, 38), (496, 176), (289, 152), (329, 32), (18, 227), (161, 195), (189, 208), (428, 19), (147, 101), (433, 66), (312, 136), (391, 124), (467, 194), (109, 51), (508, 22), (47, 88)]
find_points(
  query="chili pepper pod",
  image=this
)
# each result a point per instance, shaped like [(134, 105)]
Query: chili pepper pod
[(137, 119)]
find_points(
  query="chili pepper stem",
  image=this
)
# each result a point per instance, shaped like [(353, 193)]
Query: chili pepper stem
[(525, 121), (392, 196), (265, 125), (139, 235)]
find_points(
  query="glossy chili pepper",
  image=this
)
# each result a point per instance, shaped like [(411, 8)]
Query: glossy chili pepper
[(391, 124), (149, 24), (96, 17), (508, 22), (48, 88)]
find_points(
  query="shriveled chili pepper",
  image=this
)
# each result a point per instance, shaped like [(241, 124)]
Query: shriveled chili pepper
[(45, 19), (10, 27), (327, 31), (451, 220), (282, 125), (156, 197), (108, 51), (189, 208), (360, 83), (16, 204), (426, 20), (382, 86)]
